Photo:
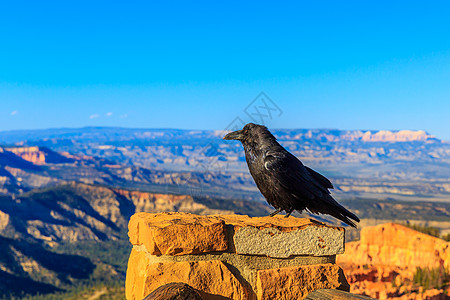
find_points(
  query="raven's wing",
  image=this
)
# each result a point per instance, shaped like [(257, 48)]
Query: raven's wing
[(291, 174), (320, 178), (299, 181)]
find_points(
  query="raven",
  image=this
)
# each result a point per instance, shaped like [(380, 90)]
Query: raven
[(282, 178)]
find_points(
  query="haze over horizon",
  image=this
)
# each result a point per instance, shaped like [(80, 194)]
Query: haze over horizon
[(199, 129), (363, 134), (349, 66)]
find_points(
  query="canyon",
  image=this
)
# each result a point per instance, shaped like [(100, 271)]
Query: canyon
[(67, 195)]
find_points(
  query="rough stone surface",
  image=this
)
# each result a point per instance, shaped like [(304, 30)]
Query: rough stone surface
[(212, 279), (278, 221), (182, 233), (312, 240), (245, 265), (297, 282), (177, 233), (138, 265), (233, 256)]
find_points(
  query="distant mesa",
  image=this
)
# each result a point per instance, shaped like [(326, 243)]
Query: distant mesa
[(396, 136), (69, 136), (40, 155), (332, 135)]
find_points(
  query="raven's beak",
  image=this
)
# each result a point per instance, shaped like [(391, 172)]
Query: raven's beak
[(235, 135)]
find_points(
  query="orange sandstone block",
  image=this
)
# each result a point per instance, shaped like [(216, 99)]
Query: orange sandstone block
[(177, 233), (138, 266), (212, 279), (296, 282)]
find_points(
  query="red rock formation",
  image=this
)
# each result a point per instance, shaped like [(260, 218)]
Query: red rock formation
[(138, 196), (395, 245), (382, 264), (31, 154)]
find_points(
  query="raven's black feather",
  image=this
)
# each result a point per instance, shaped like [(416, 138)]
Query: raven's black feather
[(282, 178)]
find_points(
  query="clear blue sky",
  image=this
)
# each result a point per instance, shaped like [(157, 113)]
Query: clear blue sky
[(340, 64)]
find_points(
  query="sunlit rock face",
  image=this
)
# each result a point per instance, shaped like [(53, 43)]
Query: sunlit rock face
[(31, 154), (41, 155), (384, 262), (395, 245)]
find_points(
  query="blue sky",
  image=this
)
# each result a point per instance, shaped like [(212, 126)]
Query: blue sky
[(197, 65)]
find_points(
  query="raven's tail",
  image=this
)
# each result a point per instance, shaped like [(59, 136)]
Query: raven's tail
[(346, 216), (338, 211)]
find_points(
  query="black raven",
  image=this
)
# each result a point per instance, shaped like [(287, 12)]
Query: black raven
[(282, 178)]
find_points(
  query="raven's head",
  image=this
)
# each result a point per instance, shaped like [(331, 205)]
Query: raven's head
[(250, 133)]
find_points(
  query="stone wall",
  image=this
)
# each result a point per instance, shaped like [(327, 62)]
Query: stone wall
[(233, 256)]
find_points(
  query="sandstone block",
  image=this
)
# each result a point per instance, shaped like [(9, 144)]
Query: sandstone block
[(138, 265), (212, 279), (272, 242), (296, 282), (177, 233)]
